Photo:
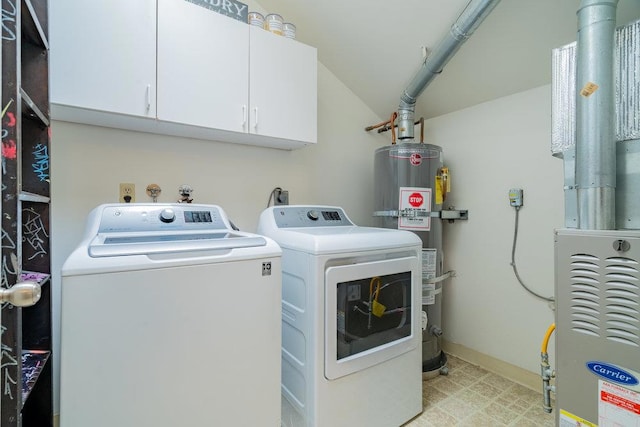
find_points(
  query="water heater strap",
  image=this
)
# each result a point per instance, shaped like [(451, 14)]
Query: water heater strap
[(407, 213), (440, 278)]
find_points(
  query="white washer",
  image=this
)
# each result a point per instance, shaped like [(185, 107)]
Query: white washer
[(170, 318), (351, 329)]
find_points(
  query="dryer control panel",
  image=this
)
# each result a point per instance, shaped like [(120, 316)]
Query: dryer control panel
[(310, 216)]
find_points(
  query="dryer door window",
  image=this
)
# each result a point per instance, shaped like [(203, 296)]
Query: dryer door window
[(371, 313)]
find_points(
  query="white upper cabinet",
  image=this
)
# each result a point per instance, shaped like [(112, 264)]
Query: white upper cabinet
[(103, 55), (203, 67), (283, 87), (217, 78)]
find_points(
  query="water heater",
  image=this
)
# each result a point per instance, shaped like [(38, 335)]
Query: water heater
[(410, 186)]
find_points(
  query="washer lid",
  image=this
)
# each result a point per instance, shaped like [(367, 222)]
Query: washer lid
[(120, 244)]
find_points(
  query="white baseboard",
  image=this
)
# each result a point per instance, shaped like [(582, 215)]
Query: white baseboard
[(514, 373)]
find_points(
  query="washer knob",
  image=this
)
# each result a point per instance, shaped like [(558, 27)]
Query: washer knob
[(167, 215), (312, 215)]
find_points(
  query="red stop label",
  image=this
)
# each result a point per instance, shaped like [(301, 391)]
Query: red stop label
[(416, 199)]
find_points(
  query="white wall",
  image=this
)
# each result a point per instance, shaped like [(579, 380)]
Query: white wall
[(89, 162), (490, 148)]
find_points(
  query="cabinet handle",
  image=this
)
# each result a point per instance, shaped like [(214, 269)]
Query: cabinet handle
[(148, 97), (255, 111), (244, 116)]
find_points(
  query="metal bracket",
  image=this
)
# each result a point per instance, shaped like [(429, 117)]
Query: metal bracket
[(408, 213), (449, 214), (442, 277), (452, 214)]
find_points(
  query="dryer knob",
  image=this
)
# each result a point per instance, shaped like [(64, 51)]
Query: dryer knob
[(167, 215), (312, 215)]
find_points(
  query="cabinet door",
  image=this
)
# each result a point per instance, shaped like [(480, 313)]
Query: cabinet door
[(103, 55), (203, 65), (283, 87)]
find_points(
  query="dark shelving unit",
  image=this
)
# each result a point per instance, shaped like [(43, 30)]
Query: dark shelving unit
[(26, 365)]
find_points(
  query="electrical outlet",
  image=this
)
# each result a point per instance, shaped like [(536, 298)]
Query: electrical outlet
[(127, 193), (281, 197)]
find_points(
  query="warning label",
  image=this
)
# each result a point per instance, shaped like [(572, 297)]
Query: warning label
[(429, 257), (415, 208), (567, 419), (618, 406)]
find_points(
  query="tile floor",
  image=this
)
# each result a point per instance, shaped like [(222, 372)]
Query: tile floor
[(474, 397)]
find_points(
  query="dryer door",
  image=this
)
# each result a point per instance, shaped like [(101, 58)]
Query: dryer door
[(370, 313)]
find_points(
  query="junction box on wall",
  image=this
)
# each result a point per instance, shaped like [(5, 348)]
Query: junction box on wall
[(281, 197)]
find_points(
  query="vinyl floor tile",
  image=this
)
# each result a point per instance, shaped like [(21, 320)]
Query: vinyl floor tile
[(471, 396), (468, 397)]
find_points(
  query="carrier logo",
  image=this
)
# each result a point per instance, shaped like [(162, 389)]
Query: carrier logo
[(612, 373), (266, 269)]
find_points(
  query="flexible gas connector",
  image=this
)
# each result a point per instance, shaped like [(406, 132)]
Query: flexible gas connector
[(546, 372)]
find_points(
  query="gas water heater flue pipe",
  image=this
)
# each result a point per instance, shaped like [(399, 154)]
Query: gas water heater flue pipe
[(595, 133), (472, 16)]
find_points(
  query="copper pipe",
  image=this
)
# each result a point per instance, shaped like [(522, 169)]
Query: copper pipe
[(386, 126), (372, 127), (392, 121)]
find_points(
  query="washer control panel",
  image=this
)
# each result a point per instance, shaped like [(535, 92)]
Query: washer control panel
[(310, 216), (167, 215), (131, 217)]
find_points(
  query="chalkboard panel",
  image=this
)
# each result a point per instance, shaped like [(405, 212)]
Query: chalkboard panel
[(35, 160), (35, 237), (34, 74), (37, 21), (25, 233), (10, 378), (36, 322), (38, 407)]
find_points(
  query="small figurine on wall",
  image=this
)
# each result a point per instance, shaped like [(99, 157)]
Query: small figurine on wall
[(185, 194), (153, 191)]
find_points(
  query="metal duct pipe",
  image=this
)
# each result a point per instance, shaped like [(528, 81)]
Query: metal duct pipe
[(595, 132), (472, 16)]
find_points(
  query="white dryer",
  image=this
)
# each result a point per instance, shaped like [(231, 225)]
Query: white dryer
[(351, 329), (170, 318)]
